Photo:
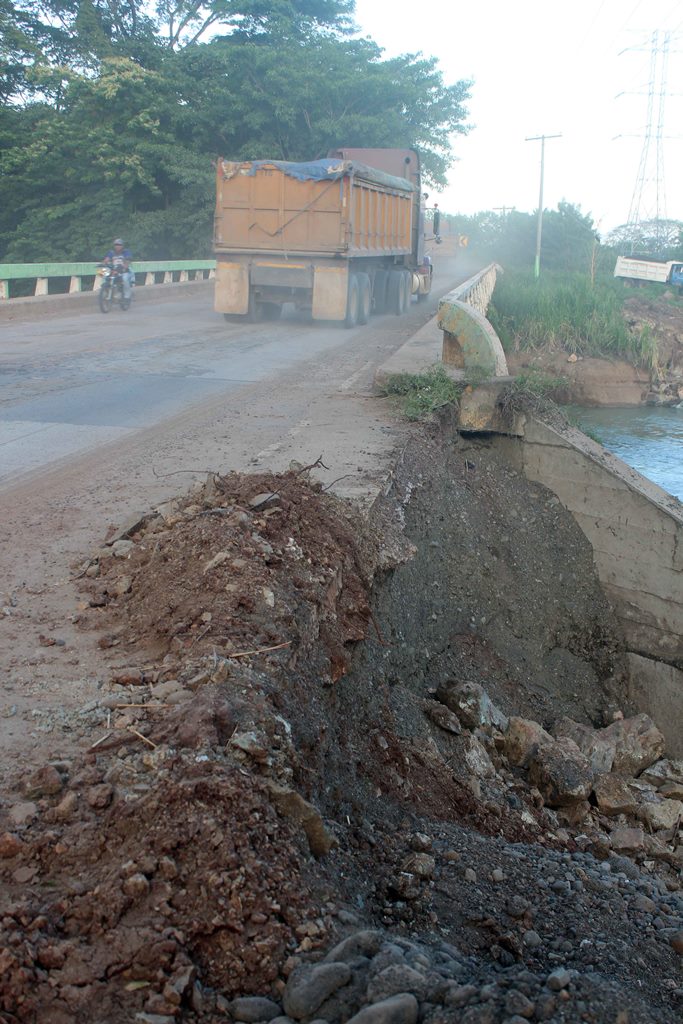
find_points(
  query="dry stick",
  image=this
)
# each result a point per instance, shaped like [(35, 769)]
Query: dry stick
[(337, 481), (380, 638), (199, 636), (80, 575), (141, 737), (162, 476), (304, 469), (100, 740), (143, 705), (313, 465), (262, 650)]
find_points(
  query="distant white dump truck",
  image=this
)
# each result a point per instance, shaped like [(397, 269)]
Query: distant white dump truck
[(634, 269)]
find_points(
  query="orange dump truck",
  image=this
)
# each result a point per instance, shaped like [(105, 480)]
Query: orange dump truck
[(336, 236)]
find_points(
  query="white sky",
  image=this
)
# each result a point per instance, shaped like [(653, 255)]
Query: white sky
[(543, 67)]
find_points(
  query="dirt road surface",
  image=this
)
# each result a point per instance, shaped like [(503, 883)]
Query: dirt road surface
[(105, 417)]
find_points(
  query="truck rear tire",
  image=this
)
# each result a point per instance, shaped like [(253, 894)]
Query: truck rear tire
[(364, 298), (352, 303), (255, 313), (379, 292), (272, 310), (396, 293), (408, 287)]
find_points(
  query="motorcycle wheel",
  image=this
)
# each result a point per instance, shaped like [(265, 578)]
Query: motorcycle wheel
[(105, 296)]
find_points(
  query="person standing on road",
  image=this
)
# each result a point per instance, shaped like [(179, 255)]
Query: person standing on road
[(120, 257)]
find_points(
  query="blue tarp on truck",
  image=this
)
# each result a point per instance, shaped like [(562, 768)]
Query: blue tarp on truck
[(320, 170)]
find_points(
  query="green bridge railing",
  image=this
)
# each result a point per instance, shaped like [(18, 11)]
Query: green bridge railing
[(82, 277)]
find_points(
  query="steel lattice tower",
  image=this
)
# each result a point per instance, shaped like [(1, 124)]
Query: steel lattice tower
[(648, 202)]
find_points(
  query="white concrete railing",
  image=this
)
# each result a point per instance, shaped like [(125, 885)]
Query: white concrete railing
[(171, 271)]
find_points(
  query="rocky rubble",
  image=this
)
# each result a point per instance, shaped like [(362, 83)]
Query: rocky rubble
[(259, 829)]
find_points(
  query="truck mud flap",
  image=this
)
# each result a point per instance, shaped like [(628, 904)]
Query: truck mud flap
[(232, 288), (330, 288)]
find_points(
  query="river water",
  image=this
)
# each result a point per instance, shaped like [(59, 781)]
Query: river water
[(648, 439)]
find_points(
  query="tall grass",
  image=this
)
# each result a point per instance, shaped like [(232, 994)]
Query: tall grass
[(567, 312)]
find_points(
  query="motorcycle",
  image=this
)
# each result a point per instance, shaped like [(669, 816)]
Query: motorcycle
[(111, 288)]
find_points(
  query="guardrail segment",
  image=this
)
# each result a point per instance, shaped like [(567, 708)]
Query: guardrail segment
[(42, 273)]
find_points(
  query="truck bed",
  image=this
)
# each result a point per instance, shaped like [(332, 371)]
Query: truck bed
[(642, 270), (326, 207)]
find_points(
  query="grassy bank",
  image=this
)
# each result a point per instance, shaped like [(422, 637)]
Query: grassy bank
[(566, 312)]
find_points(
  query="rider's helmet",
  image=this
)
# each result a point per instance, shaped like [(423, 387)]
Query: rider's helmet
[(118, 241)]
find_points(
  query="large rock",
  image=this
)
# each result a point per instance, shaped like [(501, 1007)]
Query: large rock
[(253, 1009), (638, 744), (472, 705), (309, 987), (523, 739), (627, 840), (291, 804), (46, 781), (663, 815), (442, 716), (562, 774), (613, 796), (477, 759), (395, 979), (364, 943), (400, 1009), (598, 748), (662, 772), (627, 746)]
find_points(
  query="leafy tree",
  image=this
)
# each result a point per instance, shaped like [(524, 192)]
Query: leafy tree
[(120, 171), (114, 112), (660, 239), (294, 102)]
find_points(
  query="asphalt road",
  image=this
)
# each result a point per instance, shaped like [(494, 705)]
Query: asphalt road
[(73, 383)]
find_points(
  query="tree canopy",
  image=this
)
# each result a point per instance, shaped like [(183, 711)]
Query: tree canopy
[(659, 239), (113, 111)]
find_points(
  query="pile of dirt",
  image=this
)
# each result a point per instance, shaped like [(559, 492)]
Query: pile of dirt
[(279, 761), (245, 562)]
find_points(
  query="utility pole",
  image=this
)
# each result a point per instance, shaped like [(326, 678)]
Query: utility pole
[(503, 209), (539, 221)]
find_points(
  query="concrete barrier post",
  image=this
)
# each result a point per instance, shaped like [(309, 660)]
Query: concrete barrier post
[(74, 285), (469, 340), (41, 286), (150, 278), (4, 289)]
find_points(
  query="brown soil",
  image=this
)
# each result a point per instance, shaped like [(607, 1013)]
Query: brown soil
[(266, 755)]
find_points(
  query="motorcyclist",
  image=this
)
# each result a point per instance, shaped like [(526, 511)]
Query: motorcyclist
[(120, 258)]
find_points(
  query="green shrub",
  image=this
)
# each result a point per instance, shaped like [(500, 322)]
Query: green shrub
[(419, 395)]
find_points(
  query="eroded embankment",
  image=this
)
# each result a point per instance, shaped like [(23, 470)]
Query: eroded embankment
[(307, 735)]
